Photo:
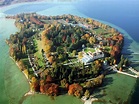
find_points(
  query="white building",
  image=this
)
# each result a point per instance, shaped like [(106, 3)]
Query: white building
[(89, 56)]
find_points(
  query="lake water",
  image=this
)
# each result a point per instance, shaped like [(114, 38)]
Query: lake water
[(117, 88)]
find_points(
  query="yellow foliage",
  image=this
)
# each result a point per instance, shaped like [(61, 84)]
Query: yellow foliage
[(26, 72), (33, 79), (80, 55), (92, 40), (41, 82), (90, 20), (47, 48)]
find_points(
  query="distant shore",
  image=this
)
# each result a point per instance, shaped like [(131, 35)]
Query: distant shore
[(18, 2)]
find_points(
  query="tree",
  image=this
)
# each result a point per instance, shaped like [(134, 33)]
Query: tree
[(33, 79), (24, 48), (74, 53), (26, 72), (126, 62), (92, 40), (47, 48), (51, 89), (48, 79), (80, 55), (75, 89), (34, 84), (63, 82), (21, 64), (87, 94), (51, 59), (70, 79), (89, 84)]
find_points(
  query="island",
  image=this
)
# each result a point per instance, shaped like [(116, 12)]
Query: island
[(66, 54)]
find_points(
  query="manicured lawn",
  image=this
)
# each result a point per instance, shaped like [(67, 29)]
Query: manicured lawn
[(89, 49), (38, 53), (107, 48), (99, 30)]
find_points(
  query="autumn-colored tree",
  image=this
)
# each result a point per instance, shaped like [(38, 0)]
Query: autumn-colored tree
[(51, 89), (113, 53), (98, 80), (63, 82), (47, 48), (49, 79), (92, 40), (116, 49), (73, 40), (89, 84), (21, 65), (67, 86), (34, 84), (75, 89), (26, 72), (33, 79), (74, 53), (80, 55), (87, 36), (24, 48), (51, 59), (64, 38), (87, 94), (42, 89), (90, 21), (120, 69)]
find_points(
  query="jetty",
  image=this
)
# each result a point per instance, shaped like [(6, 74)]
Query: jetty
[(125, 73), (134, 71)]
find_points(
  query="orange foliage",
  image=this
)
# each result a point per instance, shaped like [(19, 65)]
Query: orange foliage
[(51, 59), (51, 89), (36, 21), (67, 86), (48, 79), (75, 89), (113, 53), (42, 89)]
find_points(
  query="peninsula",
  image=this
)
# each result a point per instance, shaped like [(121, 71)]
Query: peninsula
[(65, 54)]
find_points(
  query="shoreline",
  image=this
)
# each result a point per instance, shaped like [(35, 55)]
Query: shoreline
[(4, 6), (30, 92)]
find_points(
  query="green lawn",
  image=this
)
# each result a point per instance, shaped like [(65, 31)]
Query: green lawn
[(89, 49), (107, 48), (99, 30)]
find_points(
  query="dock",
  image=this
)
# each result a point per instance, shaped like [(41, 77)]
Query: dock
[(125, 73)]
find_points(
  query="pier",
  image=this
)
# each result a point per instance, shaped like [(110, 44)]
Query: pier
[(125, 73), (135, 76), (134, 53), (134, 71)]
